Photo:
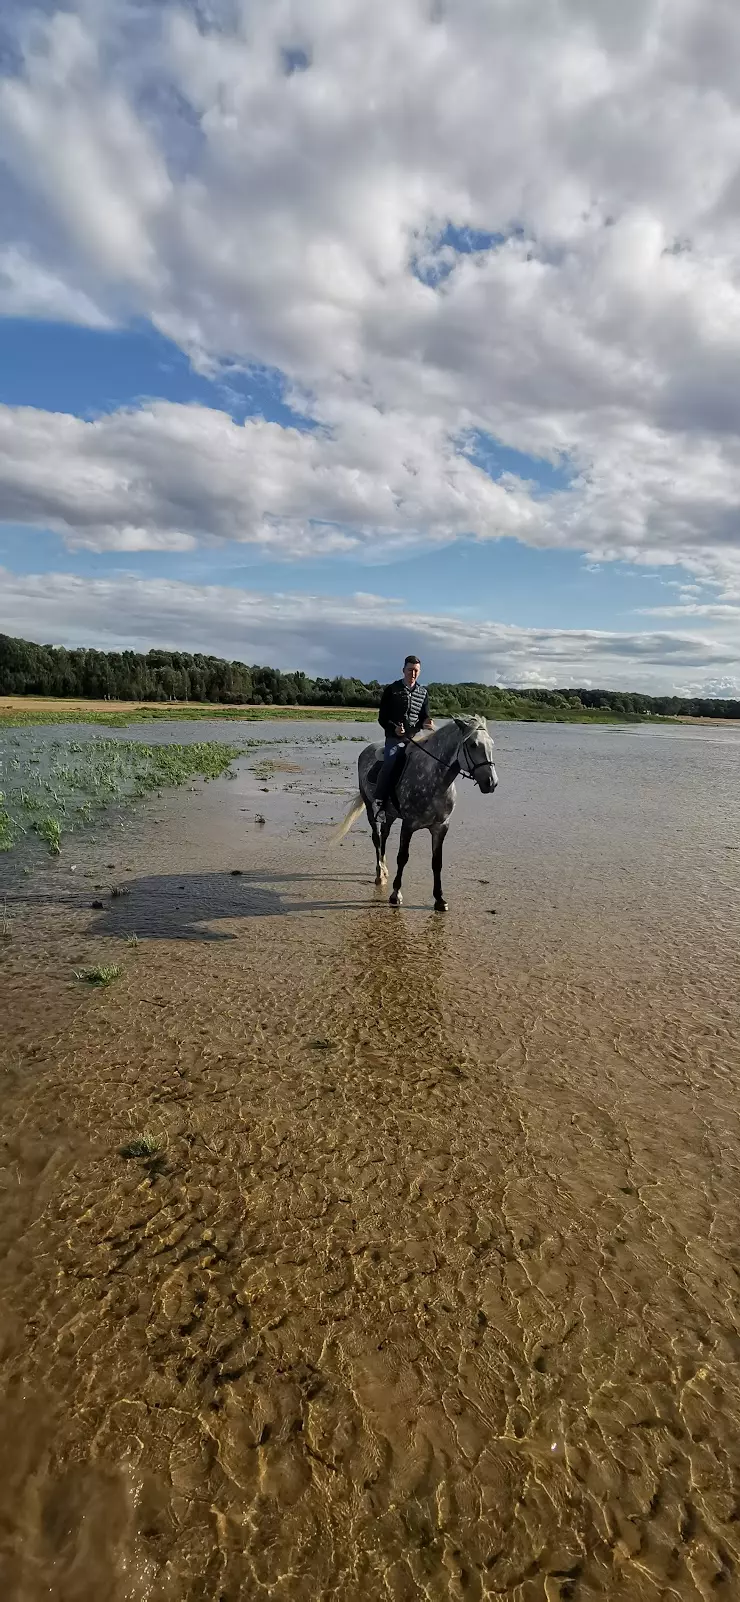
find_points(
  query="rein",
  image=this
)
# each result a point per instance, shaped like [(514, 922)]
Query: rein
[(464, 773)]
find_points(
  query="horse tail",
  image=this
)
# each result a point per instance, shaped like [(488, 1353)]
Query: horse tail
[(358, 806)]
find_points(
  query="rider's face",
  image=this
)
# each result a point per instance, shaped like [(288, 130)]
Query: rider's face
[(411, 673)]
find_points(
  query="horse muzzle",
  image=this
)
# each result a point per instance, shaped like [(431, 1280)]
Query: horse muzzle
[(487, 782)]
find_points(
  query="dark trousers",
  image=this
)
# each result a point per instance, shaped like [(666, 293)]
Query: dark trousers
[(394, 745)]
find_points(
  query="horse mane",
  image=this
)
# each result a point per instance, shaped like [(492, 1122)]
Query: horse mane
[(469, 720), (464, 720)]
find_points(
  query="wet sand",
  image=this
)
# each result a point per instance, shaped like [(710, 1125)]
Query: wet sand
[(431, 1290)]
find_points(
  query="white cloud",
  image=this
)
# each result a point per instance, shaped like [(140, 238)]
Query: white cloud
[(163, 476), (27, 289), (360, 634), (717, 610), (160, 162)]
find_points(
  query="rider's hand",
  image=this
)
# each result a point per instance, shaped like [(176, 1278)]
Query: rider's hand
[(400, 728)]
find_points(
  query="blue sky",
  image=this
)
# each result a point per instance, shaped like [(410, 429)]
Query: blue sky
[(63, 368), (307, 353)]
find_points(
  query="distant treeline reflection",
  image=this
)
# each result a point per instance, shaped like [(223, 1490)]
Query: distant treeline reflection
[(48, 670)]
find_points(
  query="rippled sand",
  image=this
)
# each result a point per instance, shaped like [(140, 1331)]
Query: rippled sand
[(431, 1291)]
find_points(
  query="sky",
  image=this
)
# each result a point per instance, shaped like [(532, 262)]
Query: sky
[(330, 332)]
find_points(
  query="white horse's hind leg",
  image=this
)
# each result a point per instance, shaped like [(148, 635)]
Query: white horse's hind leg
[(381, 871), (383, 866)]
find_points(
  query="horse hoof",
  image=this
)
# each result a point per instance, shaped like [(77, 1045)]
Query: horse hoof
[(395, 898), (440, 906)]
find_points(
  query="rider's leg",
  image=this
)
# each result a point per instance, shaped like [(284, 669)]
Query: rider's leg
[(392, 747)]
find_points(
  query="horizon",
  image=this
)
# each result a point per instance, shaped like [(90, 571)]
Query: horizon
[(299, 673), (306, 354)]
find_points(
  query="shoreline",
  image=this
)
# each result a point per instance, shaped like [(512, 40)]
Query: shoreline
[(20, 710)]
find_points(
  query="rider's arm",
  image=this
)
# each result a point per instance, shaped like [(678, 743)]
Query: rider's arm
[(385, 711)]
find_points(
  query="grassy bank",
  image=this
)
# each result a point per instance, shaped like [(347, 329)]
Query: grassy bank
[(20, 711)]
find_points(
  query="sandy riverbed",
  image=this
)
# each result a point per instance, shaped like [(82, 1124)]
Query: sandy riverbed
[(431, 1289)]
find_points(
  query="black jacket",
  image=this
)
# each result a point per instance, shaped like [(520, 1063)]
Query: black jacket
[(394, 708)]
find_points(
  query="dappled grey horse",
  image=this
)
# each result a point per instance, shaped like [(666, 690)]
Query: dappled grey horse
[(424, 795)]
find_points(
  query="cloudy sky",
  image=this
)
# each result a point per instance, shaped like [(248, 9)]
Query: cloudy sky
[(329, 331)]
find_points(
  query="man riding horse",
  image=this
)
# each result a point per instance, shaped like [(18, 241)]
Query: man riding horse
[(403, 711), (423, 794)]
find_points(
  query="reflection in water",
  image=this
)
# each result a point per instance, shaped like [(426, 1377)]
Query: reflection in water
[(430, 1291)]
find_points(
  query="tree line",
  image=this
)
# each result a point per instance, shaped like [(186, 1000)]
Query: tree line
[(52, 670)]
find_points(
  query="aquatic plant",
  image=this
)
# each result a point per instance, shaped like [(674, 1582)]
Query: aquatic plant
[(50, 830), (64, 784), (7, 831), (145, 1145), (103, 975)]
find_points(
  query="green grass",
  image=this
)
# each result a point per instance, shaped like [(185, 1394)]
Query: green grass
[(64, 785), (101, 976), (50, 830), (519, 711), (8, 830), (531, 712), (145, 1145), (227, 714)]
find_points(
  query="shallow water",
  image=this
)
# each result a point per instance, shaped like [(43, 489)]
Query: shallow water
[(431, 1289)]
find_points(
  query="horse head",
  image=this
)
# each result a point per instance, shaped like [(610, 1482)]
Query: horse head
[(475, 752)]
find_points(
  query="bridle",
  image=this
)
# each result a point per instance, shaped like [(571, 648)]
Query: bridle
[(467, 772)]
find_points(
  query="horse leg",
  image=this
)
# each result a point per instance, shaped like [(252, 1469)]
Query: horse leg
[(381, 872), (438, 839), (396, 899), (382, 865)]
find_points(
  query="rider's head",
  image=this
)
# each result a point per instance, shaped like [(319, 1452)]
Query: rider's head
[(411, 670)]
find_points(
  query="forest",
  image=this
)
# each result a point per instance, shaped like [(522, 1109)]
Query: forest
[(52, 670)]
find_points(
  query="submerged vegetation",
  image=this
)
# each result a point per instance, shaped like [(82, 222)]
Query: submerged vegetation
[(52, 789), (145, 1145), (50, 830), (7, 832), (102, 976)]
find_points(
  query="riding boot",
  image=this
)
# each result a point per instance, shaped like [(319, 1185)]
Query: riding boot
[(380, 799)]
